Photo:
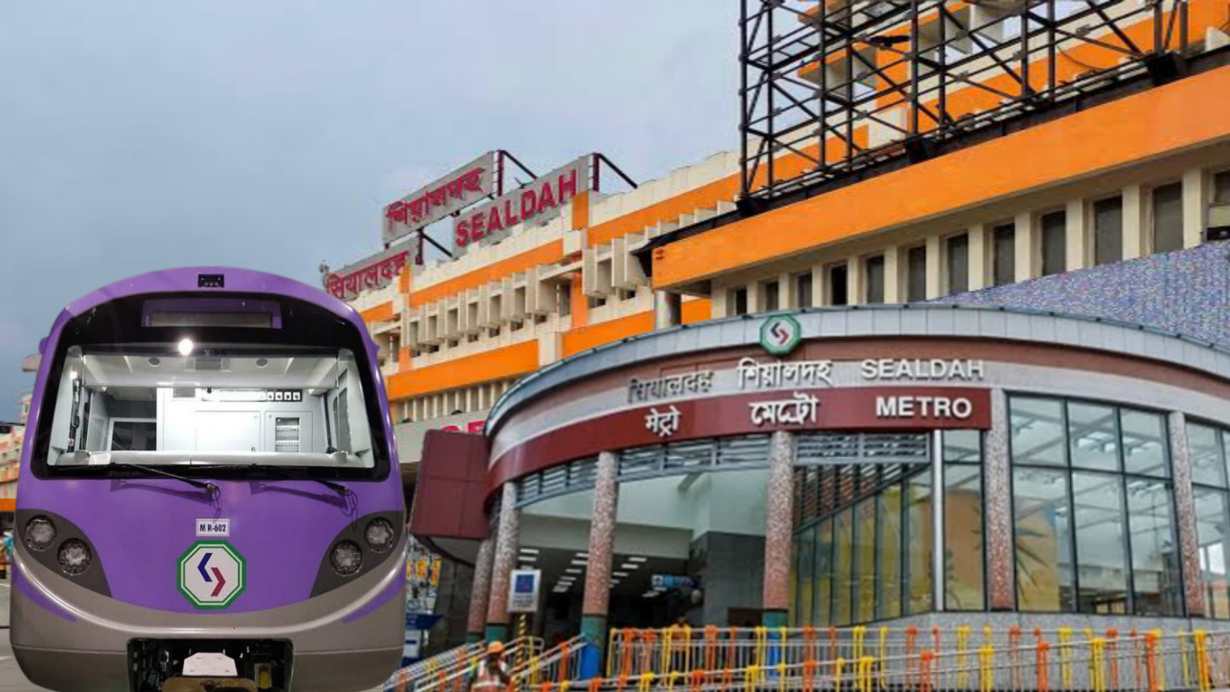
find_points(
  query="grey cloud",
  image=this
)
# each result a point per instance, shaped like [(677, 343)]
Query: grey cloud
[(137, 136)]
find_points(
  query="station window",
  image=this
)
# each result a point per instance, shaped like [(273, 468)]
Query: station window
[(563, 298), (802, 287), (1207, 447), (1221, 188), (956, 251), (873, 272), (1168, 218), (1093, 509), (1108, 230), (838, 284), (1003, 267), (772, 301), (1054, 243), (916, 274), (736, 301)]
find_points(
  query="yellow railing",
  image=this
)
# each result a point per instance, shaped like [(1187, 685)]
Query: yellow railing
[(881, 658)]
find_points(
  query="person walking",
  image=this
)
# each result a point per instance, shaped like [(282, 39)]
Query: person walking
[(492, 671)]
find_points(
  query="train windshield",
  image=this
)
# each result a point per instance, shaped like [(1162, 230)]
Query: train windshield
[(191, 402)]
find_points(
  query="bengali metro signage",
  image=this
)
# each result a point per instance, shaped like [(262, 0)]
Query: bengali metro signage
[(883, 408), (367, 274), (440, 198), (536, 202)]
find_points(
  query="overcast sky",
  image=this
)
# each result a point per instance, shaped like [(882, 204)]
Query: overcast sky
[(139, 136)]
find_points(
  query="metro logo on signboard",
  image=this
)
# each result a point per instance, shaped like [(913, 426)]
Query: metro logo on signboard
[(537, 201)]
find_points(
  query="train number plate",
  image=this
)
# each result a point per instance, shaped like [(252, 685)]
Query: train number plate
[(213, 528)]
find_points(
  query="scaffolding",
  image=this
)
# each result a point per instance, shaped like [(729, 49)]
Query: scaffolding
[(832, 88)]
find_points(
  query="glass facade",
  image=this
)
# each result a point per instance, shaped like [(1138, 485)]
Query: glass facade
[(1206, 447), (1092, 509), (864, 547)]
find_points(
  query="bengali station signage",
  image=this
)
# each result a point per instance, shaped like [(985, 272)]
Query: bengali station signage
[(441, 198), (535, 202), (368, 274)]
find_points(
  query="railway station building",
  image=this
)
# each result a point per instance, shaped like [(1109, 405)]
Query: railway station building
[(954, 345)]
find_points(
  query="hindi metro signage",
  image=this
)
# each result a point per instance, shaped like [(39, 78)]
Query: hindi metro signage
[(366, 274)]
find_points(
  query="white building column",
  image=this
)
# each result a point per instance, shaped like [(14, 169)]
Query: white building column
[(1079, 250), (818, 290), (892, 275), (1026, 249), (856, 284), (979, 256), (1195, 207), (1135, 224), (934, 278)]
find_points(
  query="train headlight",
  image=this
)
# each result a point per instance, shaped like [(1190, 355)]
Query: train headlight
[(74, 557), (346, 558), (379, 535), (40, 532)]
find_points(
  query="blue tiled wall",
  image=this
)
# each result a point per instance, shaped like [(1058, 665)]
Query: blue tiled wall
[(1187, 292)]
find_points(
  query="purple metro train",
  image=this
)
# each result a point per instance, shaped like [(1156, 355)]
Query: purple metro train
[(209, 494)]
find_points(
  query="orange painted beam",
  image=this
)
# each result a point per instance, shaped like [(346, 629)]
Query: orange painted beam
[(580, 211), (499, 364), (578, 302), (8, 504), (584, 338), (1131, 129), (381, 313), (697, 310), (724, 189), (544, 254)]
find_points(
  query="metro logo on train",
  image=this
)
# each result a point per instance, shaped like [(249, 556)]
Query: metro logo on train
[(212, 574)]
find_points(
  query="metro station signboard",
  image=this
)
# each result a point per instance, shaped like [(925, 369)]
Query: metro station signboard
[(538, 201), (440, 198)]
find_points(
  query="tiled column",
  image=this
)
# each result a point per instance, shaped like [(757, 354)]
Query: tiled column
[(502, 564), (601, 544), (480, 590), (1185, 514), (779, 514), (997, 472)]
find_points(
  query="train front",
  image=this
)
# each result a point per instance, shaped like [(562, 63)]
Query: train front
[(210, 493)]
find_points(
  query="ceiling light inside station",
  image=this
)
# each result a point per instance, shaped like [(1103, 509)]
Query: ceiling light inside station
[(574, 570), (638, 558)]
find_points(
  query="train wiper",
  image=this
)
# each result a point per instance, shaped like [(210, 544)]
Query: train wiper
[(281, 473), (204, 485)]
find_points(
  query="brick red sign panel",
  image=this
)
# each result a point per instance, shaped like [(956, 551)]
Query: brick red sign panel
[(448, 497), (853, 408)]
